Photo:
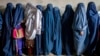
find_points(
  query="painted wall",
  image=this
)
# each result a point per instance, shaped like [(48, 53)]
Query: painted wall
[(59, 3)]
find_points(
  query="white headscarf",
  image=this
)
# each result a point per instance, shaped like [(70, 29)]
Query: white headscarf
[(33, 18)]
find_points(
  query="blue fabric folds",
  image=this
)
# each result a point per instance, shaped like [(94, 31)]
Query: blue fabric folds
[(57, 44), (93, 22), (7, 28), (18, 15), (17, 21), (39, 38), (80, 29), (67, 33), (49, 29)]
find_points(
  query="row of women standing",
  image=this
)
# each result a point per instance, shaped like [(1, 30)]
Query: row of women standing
[(35, 30)]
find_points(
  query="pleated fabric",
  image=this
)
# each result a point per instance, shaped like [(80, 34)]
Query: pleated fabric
[(7, 28), (57, 44), (30, 17), (18, 15), (33, 25), (93, 22), (39, 39), (67, 33), (18, 30), (49, 29), (97, 51), (33, 21), (80, 29)]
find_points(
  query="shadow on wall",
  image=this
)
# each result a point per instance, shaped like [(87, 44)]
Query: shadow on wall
[(2, 8)]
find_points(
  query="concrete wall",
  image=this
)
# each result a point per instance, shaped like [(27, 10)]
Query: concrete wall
[(59, 3)]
